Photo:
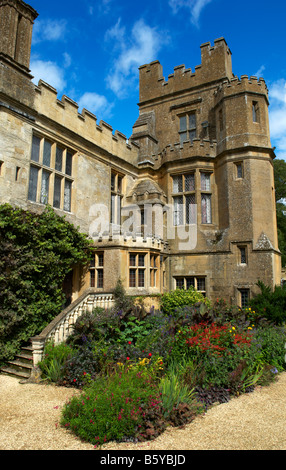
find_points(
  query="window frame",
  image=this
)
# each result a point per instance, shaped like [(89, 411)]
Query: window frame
[(116, 197), (190, 127), (138, 269), (96, 270), (187, 281), (180, 194), (242, 291), (57, 180), (206, 198)]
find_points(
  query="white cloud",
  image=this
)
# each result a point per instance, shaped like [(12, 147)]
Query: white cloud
[(260, 71), (49, 72), (132, 50), (97, 104), (195, 8), (49, 30), (277, 116)]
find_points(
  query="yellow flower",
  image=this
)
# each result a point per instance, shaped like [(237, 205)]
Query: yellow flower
[(233, 327), (249, 328)]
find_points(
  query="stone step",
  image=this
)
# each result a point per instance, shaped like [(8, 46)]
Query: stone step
[(24, 358), (15, 373), (21, 366)]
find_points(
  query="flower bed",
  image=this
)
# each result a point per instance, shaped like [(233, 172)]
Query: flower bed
[(142, 371)]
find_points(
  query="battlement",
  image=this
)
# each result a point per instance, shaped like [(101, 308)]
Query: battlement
[(65, 113), (130, 240), (203, 149), (215, 65), (245, 84)]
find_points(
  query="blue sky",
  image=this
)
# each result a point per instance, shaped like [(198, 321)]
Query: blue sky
[(91, 50)]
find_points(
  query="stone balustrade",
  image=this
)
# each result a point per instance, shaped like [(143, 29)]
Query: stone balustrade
[(62, 325)]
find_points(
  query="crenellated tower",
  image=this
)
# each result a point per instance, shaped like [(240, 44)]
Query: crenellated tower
[(16, 26)]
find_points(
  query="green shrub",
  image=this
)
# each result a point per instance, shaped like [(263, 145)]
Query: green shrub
[(268, 347), (171, 301), (271, 303), (88, 361), (114, 408), (53, 363), (37, 251)]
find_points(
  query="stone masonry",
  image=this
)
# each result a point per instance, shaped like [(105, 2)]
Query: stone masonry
[(187, 200)]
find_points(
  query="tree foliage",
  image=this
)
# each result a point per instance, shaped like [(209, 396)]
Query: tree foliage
[(280, 196), (37, 251)]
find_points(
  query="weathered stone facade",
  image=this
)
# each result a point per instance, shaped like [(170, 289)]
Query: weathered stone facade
[(187, 200)]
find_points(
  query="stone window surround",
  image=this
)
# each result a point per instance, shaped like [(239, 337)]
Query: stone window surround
[(116, 196), (143, 269), (195, 280), (96, 270), (180, 217), (65, 179)]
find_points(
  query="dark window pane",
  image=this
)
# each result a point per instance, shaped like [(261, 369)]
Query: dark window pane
[(141, 277), (132, 278), (180, 283), (183, 123), (244, 293), (59, 159), (242, 255), (239, 170), (190, 182), (92, 278), (35, 149), (100, 259), (100, 278), (33, 184), (57, 192), (201, 283), (190, 281), (69, 164), (192, 121), (132, 259), (47, 153), (112, 182)]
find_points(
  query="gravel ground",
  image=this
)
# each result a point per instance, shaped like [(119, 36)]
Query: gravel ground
[(30, 413)]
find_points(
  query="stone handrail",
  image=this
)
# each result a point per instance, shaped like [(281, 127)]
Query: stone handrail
[(61, 327)]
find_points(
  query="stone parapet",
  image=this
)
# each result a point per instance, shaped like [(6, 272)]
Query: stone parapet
[(66, 114)]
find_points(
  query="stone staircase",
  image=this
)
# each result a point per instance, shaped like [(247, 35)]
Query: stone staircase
[(24, 365), (21, 366)]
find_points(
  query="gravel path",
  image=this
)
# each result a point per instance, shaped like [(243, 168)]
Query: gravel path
[(29, 416)]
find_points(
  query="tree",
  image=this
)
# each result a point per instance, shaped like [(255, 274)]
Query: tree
[(37, 251), (280, 196)]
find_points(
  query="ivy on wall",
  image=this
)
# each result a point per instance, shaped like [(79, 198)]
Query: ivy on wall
[(37, 251)]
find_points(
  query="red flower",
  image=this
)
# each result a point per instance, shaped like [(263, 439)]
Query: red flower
[(129, 342), (150, 354), (128, 358)]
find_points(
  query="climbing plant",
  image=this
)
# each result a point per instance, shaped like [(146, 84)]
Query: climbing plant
[(37, 251)]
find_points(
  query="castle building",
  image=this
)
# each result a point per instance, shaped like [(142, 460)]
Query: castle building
[(187, 200)]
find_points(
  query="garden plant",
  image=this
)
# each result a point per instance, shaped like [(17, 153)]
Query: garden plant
[(140, 371)]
